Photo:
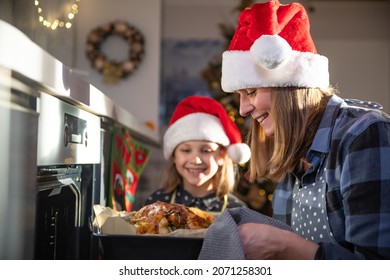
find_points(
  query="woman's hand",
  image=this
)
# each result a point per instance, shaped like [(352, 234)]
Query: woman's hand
[(261, 241)]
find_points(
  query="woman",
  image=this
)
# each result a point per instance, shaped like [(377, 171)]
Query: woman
[(329, 156)]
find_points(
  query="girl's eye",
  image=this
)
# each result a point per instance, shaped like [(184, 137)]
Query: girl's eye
[(209, 150)]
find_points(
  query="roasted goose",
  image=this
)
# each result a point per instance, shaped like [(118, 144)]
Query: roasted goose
[(163, 218)]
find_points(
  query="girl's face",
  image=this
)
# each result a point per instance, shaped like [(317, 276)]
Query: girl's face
[(257, 103), (197, 162)]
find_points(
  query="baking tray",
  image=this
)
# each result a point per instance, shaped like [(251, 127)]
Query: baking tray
[(145, 247)]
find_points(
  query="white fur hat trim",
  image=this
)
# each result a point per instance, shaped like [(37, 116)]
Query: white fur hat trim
[(302, 69), (187, 128)]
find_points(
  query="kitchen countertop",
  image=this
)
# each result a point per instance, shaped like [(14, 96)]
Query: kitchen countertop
[(21, 55)]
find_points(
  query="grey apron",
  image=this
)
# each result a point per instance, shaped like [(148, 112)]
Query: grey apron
[(309, 217)]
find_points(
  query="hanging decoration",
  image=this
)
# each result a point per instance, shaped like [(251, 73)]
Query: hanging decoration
[(66, 15), (128, 159), (112, 70)]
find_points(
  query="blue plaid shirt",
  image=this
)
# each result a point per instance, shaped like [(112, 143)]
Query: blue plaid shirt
[(352, 147)]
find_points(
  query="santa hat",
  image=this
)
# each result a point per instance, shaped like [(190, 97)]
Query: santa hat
[(204, 118), (272, 47)]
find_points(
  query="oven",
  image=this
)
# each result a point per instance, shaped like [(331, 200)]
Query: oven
[(68, 179)]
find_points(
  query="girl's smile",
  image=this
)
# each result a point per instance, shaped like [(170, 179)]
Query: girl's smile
[(197, 162)]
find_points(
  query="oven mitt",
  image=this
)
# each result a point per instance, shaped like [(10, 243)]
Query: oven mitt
[(222, 240)]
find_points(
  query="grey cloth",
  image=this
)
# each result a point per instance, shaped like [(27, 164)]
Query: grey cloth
[(222, 240)]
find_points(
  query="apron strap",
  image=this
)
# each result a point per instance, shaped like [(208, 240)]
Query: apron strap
[(213, 213)]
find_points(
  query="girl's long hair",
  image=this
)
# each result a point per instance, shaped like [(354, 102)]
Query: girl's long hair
[(297, 113), (224, 181)]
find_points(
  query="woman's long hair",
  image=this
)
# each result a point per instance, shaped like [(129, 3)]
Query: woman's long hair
[(223, 181), (297, 113)]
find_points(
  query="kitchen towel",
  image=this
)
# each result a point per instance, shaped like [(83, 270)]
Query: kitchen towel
[(128, 159), (222, 240)]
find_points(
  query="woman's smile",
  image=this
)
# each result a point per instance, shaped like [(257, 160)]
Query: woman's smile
[(262, 118)]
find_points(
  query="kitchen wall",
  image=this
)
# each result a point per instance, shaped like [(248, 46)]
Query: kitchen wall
[(356, 39), (23, 15), (139, 92)]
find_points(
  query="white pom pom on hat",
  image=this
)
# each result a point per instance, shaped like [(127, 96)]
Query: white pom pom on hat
[(271, 51), (204, 118), (239, 152)]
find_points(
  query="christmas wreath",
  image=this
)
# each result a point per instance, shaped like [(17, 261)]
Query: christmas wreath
[(115, 70)]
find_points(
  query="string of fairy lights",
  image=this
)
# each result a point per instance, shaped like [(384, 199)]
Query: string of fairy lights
[(64, 20)]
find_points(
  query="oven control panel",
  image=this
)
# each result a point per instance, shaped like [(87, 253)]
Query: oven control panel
[(75, 130), (66, 133)]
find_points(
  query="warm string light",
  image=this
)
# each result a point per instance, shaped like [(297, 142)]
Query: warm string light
[(57, 23)]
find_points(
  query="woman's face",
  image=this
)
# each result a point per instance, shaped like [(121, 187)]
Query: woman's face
[(197, 162), (257, 103)]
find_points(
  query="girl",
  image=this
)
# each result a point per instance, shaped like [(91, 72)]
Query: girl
[(202, 145)]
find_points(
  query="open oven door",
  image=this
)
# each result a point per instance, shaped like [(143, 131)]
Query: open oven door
[(58, 214)]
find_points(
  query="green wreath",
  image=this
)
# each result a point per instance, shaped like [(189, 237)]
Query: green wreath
[(115, 70)]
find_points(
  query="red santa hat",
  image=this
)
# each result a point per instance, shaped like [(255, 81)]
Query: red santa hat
[(272, 47), (204, 118)]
